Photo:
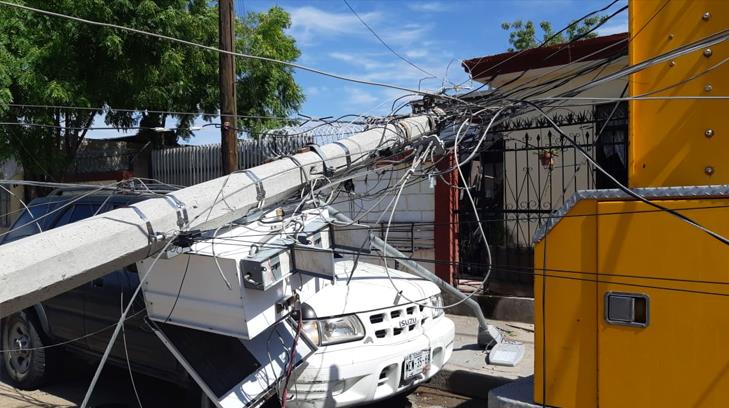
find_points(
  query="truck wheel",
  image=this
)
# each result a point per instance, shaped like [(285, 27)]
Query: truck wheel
[(23, 358)]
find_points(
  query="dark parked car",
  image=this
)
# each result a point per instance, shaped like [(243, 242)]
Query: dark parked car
[(83, 318)]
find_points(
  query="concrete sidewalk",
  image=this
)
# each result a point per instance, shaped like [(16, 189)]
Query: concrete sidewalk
[(468, 372)]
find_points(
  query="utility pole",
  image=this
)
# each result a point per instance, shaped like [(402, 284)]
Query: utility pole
[(228, 110), (44, 265)]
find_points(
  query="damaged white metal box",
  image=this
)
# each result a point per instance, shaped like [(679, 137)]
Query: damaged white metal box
[(242, 281)]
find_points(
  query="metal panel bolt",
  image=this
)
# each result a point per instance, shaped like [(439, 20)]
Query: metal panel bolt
[(707, 52), (709, 132), (708, 170), (672, 63), (670, 36), (706, 16), (708, 88)]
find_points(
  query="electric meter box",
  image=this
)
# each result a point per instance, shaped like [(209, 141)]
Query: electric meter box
[(264, 268), (240, 282)]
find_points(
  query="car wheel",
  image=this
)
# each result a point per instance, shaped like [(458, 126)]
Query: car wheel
[(23, 358)]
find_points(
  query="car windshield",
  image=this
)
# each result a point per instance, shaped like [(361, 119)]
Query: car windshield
[(65, 211), (21, 230)]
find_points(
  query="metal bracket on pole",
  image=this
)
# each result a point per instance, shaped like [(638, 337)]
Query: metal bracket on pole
[(304, 177), (406, 132), (152, 236), (327, 171), (179, 206), (346, 152), (260, 191)]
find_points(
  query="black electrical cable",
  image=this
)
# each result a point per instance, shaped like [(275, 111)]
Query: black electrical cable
[(622, 187), (524, 270), (179, 290), (544, 43)]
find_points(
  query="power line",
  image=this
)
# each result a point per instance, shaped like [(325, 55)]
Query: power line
[(412, 64), (700, 44), (111, 109), (622, 187), (527, 270), (237, 54), (158, 128), (544, 43)]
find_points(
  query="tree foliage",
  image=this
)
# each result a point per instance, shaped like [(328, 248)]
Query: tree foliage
[(53, 61), (523, 34)]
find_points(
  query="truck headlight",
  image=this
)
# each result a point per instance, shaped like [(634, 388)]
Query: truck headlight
[(335, 330), (437, 303), (311, 330)]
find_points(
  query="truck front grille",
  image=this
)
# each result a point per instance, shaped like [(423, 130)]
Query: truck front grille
[(400, 322)]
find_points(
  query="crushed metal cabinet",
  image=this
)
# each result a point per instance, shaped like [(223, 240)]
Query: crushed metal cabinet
[(235, 373), (191, 289)]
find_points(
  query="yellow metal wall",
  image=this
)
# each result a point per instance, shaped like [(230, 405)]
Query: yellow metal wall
[(682, 358), (668, 142), (570, 312)]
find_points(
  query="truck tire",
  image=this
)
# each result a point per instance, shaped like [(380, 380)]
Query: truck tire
[(23, 358)]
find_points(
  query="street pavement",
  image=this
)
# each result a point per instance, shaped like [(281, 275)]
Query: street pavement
[(115, 391), (467, 373)]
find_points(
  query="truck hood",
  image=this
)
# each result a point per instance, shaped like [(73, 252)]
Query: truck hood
[(370, 289)]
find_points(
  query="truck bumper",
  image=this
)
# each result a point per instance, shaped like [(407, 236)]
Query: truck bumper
[(348, 375)]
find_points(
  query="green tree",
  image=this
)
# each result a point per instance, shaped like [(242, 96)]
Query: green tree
[(523, 35), (53, 61)]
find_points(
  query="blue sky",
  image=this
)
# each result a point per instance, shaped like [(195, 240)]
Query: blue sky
[(433, 34)]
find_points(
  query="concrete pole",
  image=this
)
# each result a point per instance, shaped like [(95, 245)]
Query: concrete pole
[(226, 70), (44, 265), (487, 334)]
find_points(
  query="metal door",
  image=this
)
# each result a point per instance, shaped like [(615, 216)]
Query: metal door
[(663, 296)]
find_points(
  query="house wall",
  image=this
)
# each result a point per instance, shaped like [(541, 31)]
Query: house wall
[(412, 224), (10, 206), (527, 181)]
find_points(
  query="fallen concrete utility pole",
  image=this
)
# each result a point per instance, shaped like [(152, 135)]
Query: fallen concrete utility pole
[(487, 334), (44, 265)]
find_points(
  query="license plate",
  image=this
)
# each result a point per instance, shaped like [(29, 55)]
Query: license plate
[(416, 364)]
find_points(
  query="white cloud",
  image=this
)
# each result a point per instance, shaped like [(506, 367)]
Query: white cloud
[(417, 53), (315, 90), (342, 56), (428, 6), (407, 34), (358, 97), (308, 23), (613, 29), (366, 61)]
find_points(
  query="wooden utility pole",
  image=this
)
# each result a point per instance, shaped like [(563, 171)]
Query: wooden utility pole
[(228, 110)]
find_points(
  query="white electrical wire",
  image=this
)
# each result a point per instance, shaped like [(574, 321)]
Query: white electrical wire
[(122, 318), (22, 202), (126, 355)]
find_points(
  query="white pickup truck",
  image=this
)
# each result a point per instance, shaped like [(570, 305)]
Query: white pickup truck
[(373, 343), (360, 339)]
